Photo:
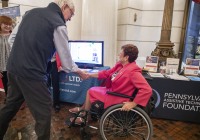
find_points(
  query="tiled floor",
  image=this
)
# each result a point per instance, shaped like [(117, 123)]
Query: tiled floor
[(22, 127)]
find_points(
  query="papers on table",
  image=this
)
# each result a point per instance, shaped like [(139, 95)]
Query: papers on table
[(155, 74), (193, 78), (174, 76), (177, 77)]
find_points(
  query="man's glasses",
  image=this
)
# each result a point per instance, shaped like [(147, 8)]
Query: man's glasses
[(71, 12)]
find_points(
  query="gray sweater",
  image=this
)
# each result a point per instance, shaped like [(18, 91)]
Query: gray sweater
[(35, 41)]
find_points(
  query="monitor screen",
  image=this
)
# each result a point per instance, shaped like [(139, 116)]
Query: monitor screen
[(87, 54)]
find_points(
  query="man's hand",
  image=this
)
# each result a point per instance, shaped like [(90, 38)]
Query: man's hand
[(83, 74), (60, 69), (128, 106)]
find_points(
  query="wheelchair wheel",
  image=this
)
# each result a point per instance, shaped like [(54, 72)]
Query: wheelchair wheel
[(134, 124)]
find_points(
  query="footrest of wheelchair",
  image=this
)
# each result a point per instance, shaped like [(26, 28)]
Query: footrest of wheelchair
[(72, 123)]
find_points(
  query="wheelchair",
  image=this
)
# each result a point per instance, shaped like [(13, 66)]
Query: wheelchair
[(115, 124)]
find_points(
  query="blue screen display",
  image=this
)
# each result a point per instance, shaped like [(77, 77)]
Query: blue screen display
[(87, 54)]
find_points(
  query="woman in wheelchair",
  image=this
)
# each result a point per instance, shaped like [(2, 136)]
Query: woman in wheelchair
[(125, 77)]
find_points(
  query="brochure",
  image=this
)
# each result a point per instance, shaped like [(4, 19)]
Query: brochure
[(151, 63), (191, 70), (172, 65), (155, 74), (192, 67), (192, 62)]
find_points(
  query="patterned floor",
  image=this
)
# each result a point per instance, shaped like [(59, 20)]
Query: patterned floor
[(22, 127)]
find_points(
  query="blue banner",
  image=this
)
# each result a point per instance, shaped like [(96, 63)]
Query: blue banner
[(73, 89), (12, 12)]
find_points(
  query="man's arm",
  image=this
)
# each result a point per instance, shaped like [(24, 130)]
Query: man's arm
[(62, 47)]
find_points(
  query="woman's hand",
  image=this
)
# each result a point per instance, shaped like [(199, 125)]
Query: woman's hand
[(128, 106), (95, 75), (83, 75)]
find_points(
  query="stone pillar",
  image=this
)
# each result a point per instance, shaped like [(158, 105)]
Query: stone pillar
[(164, 48), (4, 3)]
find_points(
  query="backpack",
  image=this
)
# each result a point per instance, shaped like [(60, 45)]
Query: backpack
[(97, 109)]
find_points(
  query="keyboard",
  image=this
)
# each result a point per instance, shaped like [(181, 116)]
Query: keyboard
[(90, 70), (86, 70)]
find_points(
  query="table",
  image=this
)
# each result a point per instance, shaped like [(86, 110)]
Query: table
[(176, 99), (73, 89)]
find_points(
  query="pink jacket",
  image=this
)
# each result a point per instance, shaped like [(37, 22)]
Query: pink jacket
[(126, 81)]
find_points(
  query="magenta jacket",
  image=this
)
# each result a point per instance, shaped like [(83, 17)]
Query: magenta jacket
[(126, 81)]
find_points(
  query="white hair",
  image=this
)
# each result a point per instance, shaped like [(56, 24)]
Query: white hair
[(69, 3)]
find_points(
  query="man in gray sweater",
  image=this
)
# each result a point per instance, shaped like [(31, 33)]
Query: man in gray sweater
[(40, 33)]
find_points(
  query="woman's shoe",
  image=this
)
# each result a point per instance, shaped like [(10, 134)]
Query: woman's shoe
[(75, 110), (78, 120)]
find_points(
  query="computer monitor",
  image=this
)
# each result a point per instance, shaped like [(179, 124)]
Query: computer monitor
[(86, 53)]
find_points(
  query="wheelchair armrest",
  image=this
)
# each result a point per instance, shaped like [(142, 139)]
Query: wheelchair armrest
[(119, 95)]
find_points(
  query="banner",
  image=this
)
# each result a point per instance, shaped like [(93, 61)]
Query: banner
[(73, 89), (176, 100), (12, 12)]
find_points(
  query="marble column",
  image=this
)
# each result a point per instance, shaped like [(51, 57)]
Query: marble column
[(164, 48)]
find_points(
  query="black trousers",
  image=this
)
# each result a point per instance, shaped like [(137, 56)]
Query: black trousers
[(54, 77), (38, 99), (5, 81)]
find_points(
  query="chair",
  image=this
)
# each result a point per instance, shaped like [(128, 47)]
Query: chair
[(116, 124)]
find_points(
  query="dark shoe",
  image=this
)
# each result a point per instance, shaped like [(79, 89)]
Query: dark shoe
[(57, 108)]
